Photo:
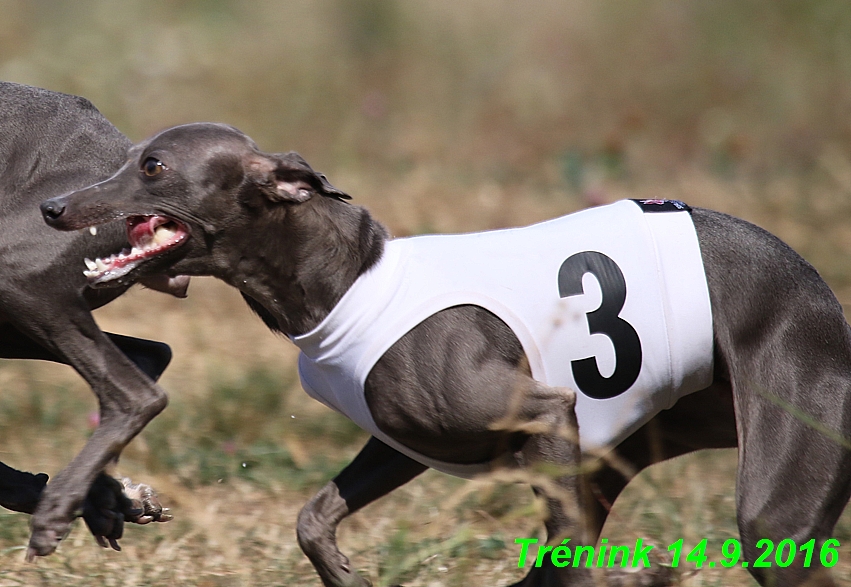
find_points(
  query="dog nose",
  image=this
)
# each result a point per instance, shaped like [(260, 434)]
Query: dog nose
[(52, 210)]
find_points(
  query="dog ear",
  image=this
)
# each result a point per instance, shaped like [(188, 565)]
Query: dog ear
[(288, 178)]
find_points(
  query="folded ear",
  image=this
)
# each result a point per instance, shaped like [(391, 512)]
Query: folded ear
[(288, 178)]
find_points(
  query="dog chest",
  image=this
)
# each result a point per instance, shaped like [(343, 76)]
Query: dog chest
[(611, 302)]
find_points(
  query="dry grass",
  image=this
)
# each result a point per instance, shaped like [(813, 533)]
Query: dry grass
[(440, 116)]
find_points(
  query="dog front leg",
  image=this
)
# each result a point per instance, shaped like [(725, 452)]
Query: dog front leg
[(109, 502), (128, 401), (551, 458), (375, 471)]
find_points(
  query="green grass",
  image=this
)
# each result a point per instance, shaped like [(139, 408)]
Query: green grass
[(240, 430)]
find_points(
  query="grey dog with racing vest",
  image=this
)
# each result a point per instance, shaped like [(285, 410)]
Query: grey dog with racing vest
[(457, 388)]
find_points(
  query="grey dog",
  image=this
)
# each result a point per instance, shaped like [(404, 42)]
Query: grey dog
[(51, 143), (279, 232)]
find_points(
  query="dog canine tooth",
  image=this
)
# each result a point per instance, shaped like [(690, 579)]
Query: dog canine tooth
[(90, 264), (101, 266), (93, 230)]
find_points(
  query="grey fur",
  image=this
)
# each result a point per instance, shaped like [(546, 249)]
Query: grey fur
[(51, 143), (781, 340)]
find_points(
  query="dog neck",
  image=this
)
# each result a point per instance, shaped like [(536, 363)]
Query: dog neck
[(296, 268)]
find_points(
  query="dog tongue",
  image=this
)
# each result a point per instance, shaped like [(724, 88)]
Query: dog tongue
[(140, 229)]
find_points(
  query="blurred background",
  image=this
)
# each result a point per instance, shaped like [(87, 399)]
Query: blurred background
[(440, 117)]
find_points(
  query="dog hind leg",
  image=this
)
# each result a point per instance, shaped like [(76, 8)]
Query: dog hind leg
[(375, 471), (794, 475), (701, 420), (150, 356), (787, 347)]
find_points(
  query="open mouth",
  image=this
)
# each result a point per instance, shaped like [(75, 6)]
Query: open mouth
[(149, 237)]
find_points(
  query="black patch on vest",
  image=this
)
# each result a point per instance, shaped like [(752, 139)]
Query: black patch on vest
[(662, 206)]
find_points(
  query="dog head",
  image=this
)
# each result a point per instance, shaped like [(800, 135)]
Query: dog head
[(181, 193)]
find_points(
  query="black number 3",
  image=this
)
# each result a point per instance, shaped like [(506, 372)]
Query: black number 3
[(603, 320)]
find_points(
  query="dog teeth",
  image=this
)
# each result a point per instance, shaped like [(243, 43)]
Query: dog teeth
[(93, 230), (164, 233)]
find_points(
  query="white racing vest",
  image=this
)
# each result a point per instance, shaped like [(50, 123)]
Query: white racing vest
[(611, 302)]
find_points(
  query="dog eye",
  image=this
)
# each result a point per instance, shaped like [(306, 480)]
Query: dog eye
[(152, 167)]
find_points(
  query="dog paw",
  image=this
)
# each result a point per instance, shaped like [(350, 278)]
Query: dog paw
[(45, 537), (110, 504), (146, 502)]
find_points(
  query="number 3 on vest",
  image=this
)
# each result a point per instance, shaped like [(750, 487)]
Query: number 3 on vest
[(604, 320)]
